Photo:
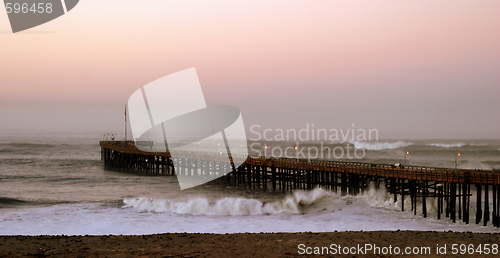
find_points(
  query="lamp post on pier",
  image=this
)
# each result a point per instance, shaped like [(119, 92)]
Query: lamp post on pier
[(406, 153), (456, 160), (293, 152), (364, 153)]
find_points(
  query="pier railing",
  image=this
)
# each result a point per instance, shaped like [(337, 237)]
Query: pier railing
[(370, 169)]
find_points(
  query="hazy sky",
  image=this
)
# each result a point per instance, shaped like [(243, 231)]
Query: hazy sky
[(411, 69)]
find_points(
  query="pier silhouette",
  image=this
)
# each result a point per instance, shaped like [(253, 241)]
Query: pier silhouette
[(453, 188)]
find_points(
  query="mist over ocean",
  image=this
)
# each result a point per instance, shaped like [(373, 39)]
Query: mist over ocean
[(58, 185)]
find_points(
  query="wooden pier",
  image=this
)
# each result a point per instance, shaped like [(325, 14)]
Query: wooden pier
[(452, 189)]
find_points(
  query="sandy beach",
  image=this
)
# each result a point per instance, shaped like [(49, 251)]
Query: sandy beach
[(249, 128), (246, 245)]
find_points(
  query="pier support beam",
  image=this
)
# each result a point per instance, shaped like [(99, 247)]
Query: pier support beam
[(468, 204), (453, 202), (439, 200), (273, 175), (459, 201), (424, 197), (465, 205), (402, 187), (478, 204), (498, 206), (343, 184), (486, 205), (495, 214)]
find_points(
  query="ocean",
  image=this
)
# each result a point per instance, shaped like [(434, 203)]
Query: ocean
[(57, 184)]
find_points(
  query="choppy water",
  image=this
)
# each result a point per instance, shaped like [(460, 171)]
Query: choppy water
[(58, 185)]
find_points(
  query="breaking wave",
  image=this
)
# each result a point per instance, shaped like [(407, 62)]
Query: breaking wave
[(228, 206), (382, 198), (381, 145), (453, 145)]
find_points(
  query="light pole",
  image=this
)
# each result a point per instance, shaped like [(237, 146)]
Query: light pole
[(456, 157), (217, 148), (328, 149), (265, 149), (293, 152), (364, 152), (407, 153)]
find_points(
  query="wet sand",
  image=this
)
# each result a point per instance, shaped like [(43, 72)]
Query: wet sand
[(239, 245)]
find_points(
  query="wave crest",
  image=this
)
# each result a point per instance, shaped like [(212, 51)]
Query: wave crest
[(451, 145), (381, 145)]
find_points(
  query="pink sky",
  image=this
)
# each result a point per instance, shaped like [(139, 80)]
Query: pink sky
[(425, 69)]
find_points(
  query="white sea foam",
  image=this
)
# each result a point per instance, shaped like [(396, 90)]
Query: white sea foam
[(381, 198), (320, 211), (228, 206), (443, 145), (381, 145)]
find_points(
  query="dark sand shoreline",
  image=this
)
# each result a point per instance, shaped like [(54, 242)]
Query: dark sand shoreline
[(234, 245)]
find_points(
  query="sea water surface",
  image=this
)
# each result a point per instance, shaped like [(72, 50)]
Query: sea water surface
[(54, 185)]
